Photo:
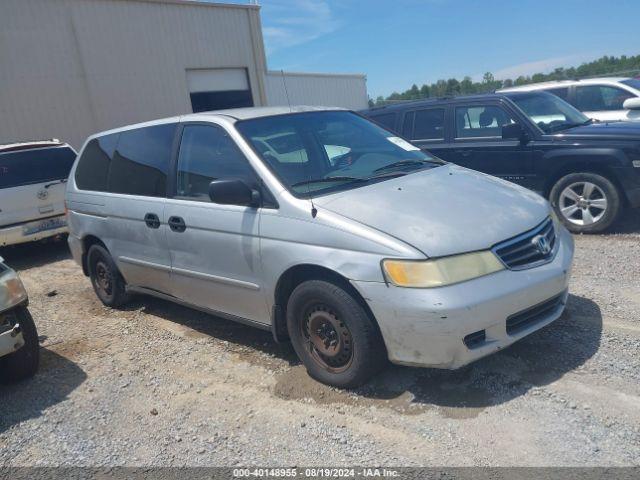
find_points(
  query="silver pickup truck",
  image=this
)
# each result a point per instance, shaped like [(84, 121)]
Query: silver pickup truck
[(19, 350)]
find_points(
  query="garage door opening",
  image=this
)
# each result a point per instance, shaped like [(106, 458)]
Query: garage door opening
[(219, 88)]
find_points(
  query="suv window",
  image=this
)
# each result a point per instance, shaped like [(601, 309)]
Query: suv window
[(481, 121), (141, 161), (387, 120), (593, 98), (25, 167), (206, 154), (563, 92), (94, 163), (428, 124)]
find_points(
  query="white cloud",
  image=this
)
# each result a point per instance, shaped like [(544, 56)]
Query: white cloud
[(292, 22)]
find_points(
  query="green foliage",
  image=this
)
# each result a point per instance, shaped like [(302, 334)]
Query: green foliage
[(607, 65)]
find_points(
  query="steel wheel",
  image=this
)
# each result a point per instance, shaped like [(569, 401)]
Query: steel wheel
[(328, 339), (104, 278), (583, 203)]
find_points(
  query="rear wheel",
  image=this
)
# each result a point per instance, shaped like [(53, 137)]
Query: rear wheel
[(333, 335), (105, 277), (586, 202), (23, 363)]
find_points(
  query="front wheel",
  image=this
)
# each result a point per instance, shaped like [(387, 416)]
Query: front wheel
[(105, 277), (586, 202), (333, 335), (23, 363)]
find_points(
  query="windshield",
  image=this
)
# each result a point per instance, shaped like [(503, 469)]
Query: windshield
[(549, 112), (314, 153), (632, 82)]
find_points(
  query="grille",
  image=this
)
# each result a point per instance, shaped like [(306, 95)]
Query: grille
[(533, 248), (524, 319)]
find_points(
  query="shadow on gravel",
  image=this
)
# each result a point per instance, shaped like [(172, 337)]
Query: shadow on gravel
[(57, 377), (36, 254), (243, 339)]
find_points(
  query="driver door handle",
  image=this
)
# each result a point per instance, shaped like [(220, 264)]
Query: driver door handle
[(177, 224)]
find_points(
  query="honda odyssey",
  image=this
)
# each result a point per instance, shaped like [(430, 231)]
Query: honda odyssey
[(325, 229)]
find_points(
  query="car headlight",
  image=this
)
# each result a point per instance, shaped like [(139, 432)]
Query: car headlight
[(441, 271)]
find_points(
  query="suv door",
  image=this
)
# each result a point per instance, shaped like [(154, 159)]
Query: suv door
[(478, 143), (32, 185), (215, 249), (602, 102)]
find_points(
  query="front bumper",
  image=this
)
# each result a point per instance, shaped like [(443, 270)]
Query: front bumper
[(32, 231), (427, 327), (12, 294)]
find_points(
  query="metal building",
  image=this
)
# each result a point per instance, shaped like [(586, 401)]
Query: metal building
[(69, 68)]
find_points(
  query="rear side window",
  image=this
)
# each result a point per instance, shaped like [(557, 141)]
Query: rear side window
[(141, 161), (94, 163), (26, 167), (206, 154), (387, 120), (428, 124)]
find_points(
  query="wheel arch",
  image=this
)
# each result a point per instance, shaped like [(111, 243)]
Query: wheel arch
[(87, 242), (294, 276)]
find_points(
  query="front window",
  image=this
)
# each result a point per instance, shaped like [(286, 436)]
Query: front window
[(549, 112), (321, 152), (478, 121), (599, 98)]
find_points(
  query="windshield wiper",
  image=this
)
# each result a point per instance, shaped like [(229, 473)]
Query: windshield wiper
[(404, 163), (330, 179)]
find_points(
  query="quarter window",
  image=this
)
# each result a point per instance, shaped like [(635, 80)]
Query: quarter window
[(206, 154), (428, 124), (40, 165), (593, 98), (93, 167), (141, 161), (387, 120), (481, 121)]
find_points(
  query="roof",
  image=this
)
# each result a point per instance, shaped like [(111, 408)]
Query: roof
[(567, 83), (435, 101), (257, 112), (13, 147)]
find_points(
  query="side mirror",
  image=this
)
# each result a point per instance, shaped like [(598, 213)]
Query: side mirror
[(514, 131), (234, 192), (631, 103)]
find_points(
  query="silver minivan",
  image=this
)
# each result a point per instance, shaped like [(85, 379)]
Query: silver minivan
[(322, 227)]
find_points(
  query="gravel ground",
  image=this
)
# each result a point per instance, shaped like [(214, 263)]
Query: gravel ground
[(159, 384)]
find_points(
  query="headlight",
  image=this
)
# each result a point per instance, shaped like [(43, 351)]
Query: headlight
[(441, 271)]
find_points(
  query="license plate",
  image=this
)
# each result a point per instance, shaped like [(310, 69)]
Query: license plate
[(43, 226)]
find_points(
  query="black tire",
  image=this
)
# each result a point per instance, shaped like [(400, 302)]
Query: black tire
[(105, 277), (358, 352), (23, 363), (580, 214)]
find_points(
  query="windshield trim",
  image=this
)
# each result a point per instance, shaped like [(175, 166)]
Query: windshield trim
[(330, 190)]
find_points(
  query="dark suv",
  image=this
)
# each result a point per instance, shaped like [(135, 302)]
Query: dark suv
[(589, 171)]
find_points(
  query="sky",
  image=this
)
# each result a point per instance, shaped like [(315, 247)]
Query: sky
[(397, 43)]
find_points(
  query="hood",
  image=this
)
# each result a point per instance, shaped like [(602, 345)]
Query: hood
[(613, 131), (442, 211)]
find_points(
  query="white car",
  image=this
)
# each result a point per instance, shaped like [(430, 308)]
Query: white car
[(611, 99), (32, 186)]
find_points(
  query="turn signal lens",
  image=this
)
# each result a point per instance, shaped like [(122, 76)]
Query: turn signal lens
[(441, 271)]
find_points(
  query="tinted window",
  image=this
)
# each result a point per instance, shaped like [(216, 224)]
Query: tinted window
[(40, 165), (141, 161), (207, 101), (429, 124), (481, 121), (407, 124), (632, 82), (563, 93), (593, 98), (388, 120), (206, 154), (94, 163)]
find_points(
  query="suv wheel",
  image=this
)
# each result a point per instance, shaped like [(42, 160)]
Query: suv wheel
[(333, 335), (586, 202), (105, 277)]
